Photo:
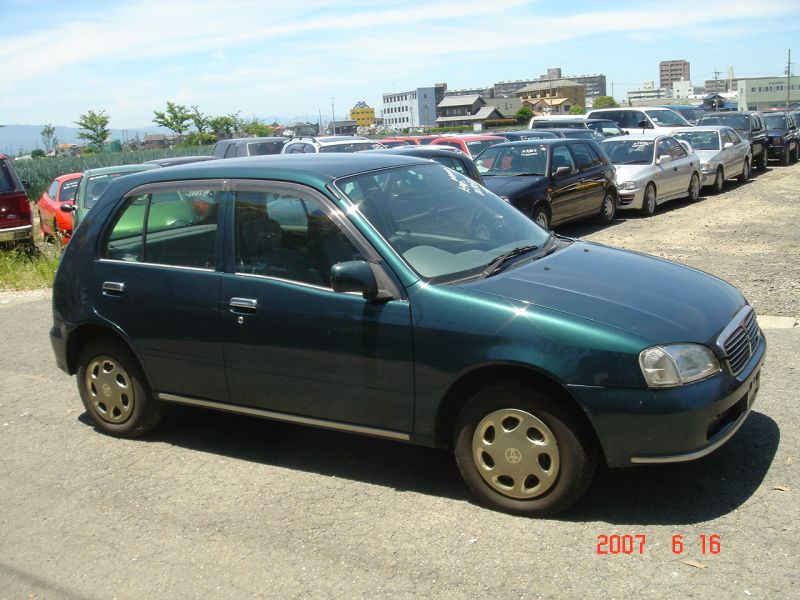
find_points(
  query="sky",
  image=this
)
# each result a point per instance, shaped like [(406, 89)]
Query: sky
[(268, 59)]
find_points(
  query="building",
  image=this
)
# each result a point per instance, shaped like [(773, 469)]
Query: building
[(670, 71), (508, 107), (594, 85), (342, 127), (554, 89), (464, 111), (682, 89), (758, 93), (719, 86), (415, 108), (362, 114), (551, 106), (647, 92), (483, 92)]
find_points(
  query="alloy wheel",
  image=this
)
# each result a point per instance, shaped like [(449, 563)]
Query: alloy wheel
[(110, 389)]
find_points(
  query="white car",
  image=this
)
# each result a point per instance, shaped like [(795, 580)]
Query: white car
[(642, 119), (651, 170), (329, 143), (723, 153)]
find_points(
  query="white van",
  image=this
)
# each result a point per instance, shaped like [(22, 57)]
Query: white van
[(642, 119)]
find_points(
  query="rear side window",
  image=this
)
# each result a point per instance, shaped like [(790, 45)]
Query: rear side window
[(53, 190), (175, 227), (451, 163), (230, 151), (585, 158), (7, 183)]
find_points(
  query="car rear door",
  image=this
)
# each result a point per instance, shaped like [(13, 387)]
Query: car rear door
[(292, 345), (591, 180)]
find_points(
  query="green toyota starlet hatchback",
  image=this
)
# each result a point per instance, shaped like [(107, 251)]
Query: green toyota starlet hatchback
[(390, 296)]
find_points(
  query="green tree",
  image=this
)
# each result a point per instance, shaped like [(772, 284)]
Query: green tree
[(48, 137), (176, 118), (199, 120), (256, 128), (222, 126), (604, 102), (38, 153), (94, 126), (524, 114), (576, 110)]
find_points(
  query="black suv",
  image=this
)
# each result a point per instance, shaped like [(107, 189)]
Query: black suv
[(257, 146), (784, 138), (552, 180), (16, 224), (748, 124)]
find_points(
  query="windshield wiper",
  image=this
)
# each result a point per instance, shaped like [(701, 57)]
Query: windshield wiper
[(498, 262)]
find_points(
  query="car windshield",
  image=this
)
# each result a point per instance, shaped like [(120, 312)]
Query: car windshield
[(68, 190), (700, 140), (95, 187), (667, 118), (351, 147), (606, 128), (559, 124), (446, 226), (690, 113), (528, 159), (735, 121), (475, 147), (629, 152), (776, 121), (585, 134)]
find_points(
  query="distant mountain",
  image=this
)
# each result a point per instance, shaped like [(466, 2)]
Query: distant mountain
[(16, 139), (22, 139)]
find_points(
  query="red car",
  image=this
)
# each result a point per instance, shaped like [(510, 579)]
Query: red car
[(53, 222), (471, 145), (394, 141)]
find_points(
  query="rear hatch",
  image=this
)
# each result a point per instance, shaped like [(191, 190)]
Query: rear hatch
[(15, 210)]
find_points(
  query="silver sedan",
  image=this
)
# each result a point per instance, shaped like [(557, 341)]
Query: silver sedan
[(652, 169), (723, 153)]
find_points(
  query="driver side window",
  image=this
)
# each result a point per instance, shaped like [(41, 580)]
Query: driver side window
[(561, 158)]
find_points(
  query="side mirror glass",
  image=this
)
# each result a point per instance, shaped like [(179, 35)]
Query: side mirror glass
[(26, 184), (727, 145), (354, 276), (664, 159)]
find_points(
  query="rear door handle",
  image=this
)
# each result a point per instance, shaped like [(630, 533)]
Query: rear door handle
[(113, 288), (244, 304)]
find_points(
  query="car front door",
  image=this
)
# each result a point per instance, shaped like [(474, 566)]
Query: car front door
[(591, 181), (292, 345), (683, 165), (565, 197), (158, 281)]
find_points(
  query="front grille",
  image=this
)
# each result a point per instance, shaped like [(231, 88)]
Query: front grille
[(741, 343)]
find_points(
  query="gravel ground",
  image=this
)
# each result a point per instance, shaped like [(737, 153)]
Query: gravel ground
[(222, 506), (749, 235)]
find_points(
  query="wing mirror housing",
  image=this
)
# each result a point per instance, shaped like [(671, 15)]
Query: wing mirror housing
[(67, 207), (664, 159), (357, 276), (727, 145), (562, 172)]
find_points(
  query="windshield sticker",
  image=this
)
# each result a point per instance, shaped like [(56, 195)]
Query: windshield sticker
[(530, 152)]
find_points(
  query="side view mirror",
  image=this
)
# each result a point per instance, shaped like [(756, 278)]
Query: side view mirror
[(644, 125), (727, 145), (562, 172), (26, 184), (664, 159), (67, 208), (354, 276)]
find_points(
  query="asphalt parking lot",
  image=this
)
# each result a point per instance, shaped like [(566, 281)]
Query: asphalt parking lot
[(221, 506)]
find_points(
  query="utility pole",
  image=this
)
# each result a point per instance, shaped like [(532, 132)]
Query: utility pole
[(788, 76), (716, 88), (333, 114)]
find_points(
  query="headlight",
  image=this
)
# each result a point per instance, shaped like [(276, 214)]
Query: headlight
[(708, 167), (677, 364), (626, 185)]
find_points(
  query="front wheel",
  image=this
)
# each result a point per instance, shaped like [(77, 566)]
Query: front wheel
[(540, 216), (719, 181), (114, 390), (608, 210), (694, 188), (649, 203), (745, 176), (522, 451), (785, 157)]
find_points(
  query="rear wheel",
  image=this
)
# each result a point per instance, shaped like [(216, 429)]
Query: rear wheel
[(522, 451), (609, 208), (540, 216), (694, 188), (761, 161), (745, 171), (114, 391), (649, 202), (719, 181), (785, 156)]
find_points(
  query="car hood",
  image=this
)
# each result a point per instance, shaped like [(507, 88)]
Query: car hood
[(777, 132), (633, 172), (708, 155), (514, 185), (654, 299)]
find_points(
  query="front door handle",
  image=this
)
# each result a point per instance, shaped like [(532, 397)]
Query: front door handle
[(244, 304), (113, 288)]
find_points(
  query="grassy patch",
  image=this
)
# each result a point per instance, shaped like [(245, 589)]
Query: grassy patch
[(28, 269)]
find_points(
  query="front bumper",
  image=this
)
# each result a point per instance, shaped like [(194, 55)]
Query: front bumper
[(630, 199), (16, 234), (636, 426)]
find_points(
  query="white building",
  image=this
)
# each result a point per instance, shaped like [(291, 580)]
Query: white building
[(415, 108), (682, 89), (648, 92)]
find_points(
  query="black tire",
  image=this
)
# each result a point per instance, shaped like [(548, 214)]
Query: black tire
[(719, 181), (649, 202), (796, 153), (785, 158), (761, 161), (540, 216), (114, 391), (608, 209), (693, 192), (745, 175), (539, 435)]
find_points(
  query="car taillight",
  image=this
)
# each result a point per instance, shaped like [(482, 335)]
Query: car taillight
[(24, 205)]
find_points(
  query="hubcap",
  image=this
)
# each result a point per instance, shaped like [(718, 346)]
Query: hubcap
[(516, 453), (651, 200), (541, 220), (718, 183), (608, 206), (694, 188), (110, 389)]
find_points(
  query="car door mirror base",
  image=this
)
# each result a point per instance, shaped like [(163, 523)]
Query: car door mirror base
[(357, 276)]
